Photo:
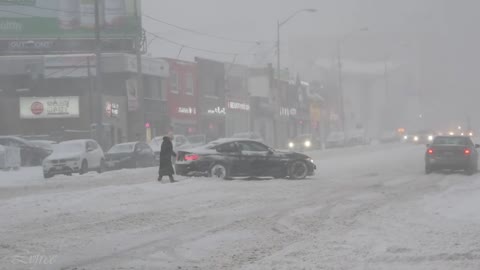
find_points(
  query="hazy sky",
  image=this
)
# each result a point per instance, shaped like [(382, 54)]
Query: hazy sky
[(450, 60)]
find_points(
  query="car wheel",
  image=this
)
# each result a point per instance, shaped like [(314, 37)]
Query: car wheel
[(84, 167), (219, 171), (428, 170), (47, 175), (298, 170), (102, 166)]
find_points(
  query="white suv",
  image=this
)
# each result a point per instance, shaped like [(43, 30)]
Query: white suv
[(78, 156)]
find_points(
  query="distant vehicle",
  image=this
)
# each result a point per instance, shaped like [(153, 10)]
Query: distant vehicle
[(179, 142), (357, 137), (30, 153), (232, 157), (248, 135), (335, 139), (78, 156), (197, 140), (452, 153), (305, 142), (130, 155), (421, 137), (46, 144), (389, 137)]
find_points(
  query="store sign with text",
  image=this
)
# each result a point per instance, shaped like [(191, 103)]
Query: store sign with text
[(233, 105), (288, 111), (217, 110), (49, 107), (187, 110), (112, 109)]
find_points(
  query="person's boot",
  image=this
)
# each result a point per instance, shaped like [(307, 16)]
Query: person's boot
[(159, 179), (171, 179)]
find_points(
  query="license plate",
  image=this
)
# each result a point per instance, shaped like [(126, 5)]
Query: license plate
[(58, 168)]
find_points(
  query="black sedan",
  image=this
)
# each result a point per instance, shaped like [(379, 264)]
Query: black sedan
[(130, 155), (452, 153), (228, 158), (31, 154)]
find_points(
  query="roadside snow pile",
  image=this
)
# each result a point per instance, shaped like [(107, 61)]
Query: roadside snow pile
[(461, 203)]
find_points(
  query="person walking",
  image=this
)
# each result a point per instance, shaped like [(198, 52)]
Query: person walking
[(166, 154)]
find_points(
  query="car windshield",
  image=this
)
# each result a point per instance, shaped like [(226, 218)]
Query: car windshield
[(122, 148), (68, 147), (304, 137), (462, 141), (196, 139)]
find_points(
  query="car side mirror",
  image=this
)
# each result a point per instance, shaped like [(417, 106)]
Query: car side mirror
[(428, 145), (477, 146), (90, 149)]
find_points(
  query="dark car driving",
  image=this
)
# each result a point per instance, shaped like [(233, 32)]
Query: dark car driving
[(31, 154), (130, 155), (452, 153), (228, 158)]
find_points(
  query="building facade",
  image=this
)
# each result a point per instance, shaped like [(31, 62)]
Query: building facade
[(211, 98), (183, 97)]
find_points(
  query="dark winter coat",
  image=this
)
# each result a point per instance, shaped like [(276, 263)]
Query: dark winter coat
[(166, 154)]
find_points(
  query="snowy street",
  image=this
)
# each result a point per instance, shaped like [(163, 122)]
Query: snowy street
[(367, 208)]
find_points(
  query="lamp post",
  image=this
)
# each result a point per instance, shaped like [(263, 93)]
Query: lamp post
[(340, 75), (282, 23), (279, 25)]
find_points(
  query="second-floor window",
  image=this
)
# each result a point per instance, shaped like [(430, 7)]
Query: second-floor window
[(189, 84), (174, 82)]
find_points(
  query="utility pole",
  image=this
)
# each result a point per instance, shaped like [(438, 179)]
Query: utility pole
[(140, 94), (99, 129), (340, 87)]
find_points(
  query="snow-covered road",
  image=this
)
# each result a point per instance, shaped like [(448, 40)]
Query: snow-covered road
[(367, 208)]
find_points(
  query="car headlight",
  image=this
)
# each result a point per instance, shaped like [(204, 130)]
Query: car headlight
[(430, 138), (405, 137), (291, 145), (415, 138), (308, 143), (470, 134)]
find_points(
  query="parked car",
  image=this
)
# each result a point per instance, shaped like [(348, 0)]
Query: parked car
[(335, 139), (179, 142), (452, 153), (232, 157), (305, 142), (197, 140), (357, 137), (248, 135), (130, 155), (45, 144), (77, 156), (30, 154)]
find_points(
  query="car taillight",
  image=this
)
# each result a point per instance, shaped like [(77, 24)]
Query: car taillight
[(467, 152), (430, 151), (191, 157)]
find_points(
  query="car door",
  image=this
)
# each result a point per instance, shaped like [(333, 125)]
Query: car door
[(230, 155), (257, 157), (93, 155), (144, 154)]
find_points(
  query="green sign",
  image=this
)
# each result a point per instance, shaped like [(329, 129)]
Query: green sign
[(63, 19)]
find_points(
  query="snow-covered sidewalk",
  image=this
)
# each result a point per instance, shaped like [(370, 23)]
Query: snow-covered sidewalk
[(370, 208)]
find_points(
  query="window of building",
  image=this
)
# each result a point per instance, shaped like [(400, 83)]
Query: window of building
[(174, 82), (189, 84)]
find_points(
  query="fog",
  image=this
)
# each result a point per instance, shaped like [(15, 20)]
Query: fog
[(436, 40)]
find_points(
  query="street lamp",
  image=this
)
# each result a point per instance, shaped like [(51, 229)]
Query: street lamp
[(280, 24), (340, 77)]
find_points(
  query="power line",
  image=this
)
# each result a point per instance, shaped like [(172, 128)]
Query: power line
[(201, 33), (195, 48), (153, 19)]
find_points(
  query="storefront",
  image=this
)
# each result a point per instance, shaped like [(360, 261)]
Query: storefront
[(237, 116)]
